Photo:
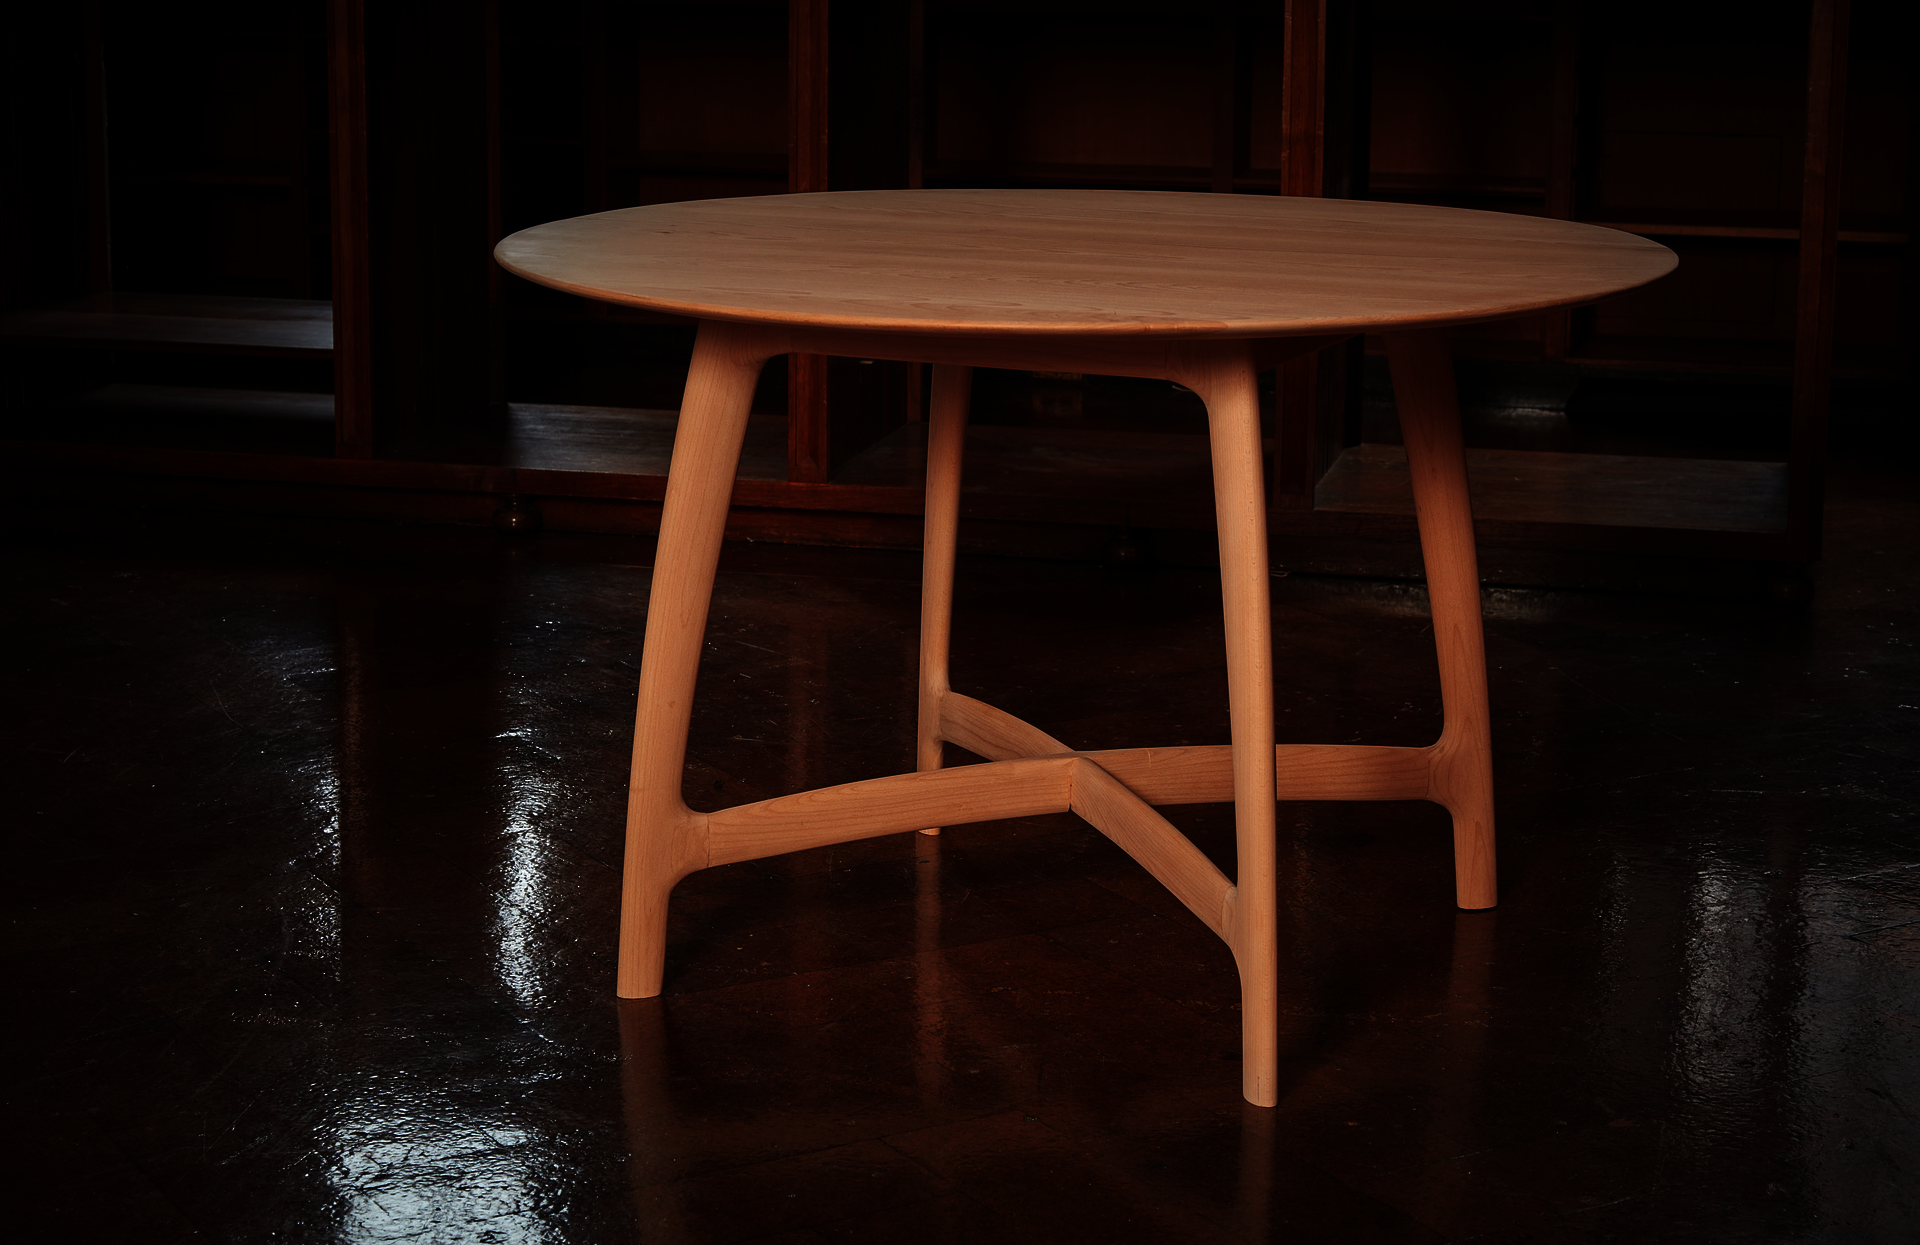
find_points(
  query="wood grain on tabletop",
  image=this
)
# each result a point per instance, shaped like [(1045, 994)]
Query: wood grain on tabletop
[(1081, 262)]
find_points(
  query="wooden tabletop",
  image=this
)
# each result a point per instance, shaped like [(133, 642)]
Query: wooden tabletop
[(1081, 262)]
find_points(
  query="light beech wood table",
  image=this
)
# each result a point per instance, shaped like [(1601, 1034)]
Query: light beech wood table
[(1201, 289)]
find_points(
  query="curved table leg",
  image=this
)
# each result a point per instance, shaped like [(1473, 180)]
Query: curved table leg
[(1226, 383), (946, 437), (1462, 768), (665, 840)]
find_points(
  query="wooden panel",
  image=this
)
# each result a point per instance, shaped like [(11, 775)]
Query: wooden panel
[(1675, 130), (213, 159), (50, 72), (1727, 288), (869, 58), (686, 101), (1461, 102), (1047, 86), (429, 212), (710, 80)]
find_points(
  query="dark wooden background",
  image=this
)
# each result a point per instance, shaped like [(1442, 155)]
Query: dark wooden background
[(194, 183)]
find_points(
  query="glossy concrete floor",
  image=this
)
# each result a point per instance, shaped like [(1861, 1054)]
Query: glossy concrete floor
[(316, 827)]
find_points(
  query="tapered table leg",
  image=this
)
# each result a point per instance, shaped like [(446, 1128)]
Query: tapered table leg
[(946, 438), (1226, 384), (665, 840), (1462, 770)]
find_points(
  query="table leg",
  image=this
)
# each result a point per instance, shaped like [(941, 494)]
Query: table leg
[(665, 840), (1462, 766), (1226, 384), (946, 437)]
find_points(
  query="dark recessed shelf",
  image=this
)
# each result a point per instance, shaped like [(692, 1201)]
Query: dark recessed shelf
[(606, 440), (199, 323), (1591, 490), (186, 417)]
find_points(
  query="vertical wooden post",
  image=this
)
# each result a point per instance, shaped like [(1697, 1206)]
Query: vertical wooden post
[(496, 229), (1303, 99), (809, 436), (347, 164), (1226, 98), (1557, 326), (806, 95), (1813, 308), (916, 94), (1303, 114)]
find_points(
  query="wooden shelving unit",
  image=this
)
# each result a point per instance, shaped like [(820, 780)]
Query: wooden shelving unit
[(195, 311), (426, 135), (1608, 113)]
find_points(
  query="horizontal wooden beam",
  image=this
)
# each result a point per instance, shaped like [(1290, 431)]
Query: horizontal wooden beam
[(1199, 773), (892, 805)]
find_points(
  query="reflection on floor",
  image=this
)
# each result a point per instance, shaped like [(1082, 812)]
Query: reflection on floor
[(317, 835)]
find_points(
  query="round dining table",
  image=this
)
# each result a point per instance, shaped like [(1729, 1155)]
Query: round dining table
[(1205, 290)]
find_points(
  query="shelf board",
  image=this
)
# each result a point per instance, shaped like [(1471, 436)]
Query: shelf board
[(195, 323), (604, 440), (1588, 490), (194, 418)]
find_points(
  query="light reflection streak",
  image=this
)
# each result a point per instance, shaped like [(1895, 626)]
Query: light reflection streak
[(517, 915), (1721, 1034), (409, 1168), (409, 1160), (313, 917), (1839, 1043)]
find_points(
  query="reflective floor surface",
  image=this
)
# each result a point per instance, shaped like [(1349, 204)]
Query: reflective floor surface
[(316, 830)]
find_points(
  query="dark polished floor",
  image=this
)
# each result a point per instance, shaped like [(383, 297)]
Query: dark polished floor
[(316, 834)]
